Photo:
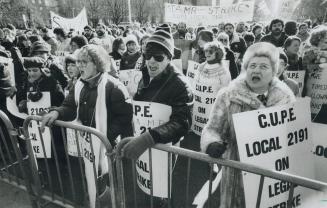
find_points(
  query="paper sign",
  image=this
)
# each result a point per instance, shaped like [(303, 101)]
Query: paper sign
[(191, 71), (319, 136), (148, 115), (130, 79), (298, 76), (279, 138), (34, 108)]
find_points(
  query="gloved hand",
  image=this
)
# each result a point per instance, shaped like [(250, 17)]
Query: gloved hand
[(22, 106), (133, 147), (216, 149)]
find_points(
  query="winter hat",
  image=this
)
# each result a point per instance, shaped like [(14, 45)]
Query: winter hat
[(131, 38), (40, 46), (164, 40), (164, 27), (34, 62), (88, 27)]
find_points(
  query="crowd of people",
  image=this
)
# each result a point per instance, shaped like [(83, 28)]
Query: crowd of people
[(81, 72)]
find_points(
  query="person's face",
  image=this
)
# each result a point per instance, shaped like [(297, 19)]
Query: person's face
[(181, 28), (221, 27), (210, 54), (294, 47), (323, 43), (156, 63), (259, 74), (303, 29), (85, 65), (144, 42), (131, 47), (87, 32), (241, 26), (281, 67), (258, 31), (223, 40), (34, 74), (190, 29), (121, 49), (73, 46), (173, 28), (201, 42), (72, 70), (229, 29), (277, 28), (41, 54)]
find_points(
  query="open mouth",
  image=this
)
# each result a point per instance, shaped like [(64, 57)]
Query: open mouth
[(256, 79), (153, 68)]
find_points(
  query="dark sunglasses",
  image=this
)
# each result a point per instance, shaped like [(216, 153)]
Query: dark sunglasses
[(158, 58)]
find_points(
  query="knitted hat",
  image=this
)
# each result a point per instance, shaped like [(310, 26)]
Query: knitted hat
[(131, 38), (164, 39), (88, 27), (40, 46), (164, 27), (34, 62)]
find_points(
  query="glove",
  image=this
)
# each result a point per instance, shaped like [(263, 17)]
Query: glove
[(216, 149), (22, 106), (133, 147)]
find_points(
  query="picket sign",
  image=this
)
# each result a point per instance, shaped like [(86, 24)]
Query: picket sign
[(148, 115), (34, 108), (319, 135), (279, 138), (298, 76), (130, 79)]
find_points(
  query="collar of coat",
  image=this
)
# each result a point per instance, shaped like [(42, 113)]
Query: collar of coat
[(278, 93)]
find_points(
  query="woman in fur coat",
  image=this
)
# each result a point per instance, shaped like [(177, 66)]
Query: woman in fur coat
[(242, 94)]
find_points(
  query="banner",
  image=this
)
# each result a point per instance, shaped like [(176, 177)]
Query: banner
[(207, 15), (286, 9), (298, 76), (130, 78), (35, 108), (316, 86), (148, 115), (279, 138), (78, 23), (319, 135)]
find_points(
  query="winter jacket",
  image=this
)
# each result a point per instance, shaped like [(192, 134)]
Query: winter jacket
[(237, 45), (171, 88), (119, 108), (115, 55), (236, 98), (277, 42), (128, 61)]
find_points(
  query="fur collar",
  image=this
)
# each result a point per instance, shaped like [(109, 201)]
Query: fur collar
[(278, 93)]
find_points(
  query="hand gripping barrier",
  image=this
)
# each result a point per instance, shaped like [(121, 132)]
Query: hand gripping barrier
[(188, 156), (61, 179)]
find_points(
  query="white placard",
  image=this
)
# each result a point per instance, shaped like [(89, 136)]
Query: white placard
[(279, 138), (149, 115), (192, 70), (298, 76), (319, 136), (34, 108), (130, 79), (74, 138), (207, 15)]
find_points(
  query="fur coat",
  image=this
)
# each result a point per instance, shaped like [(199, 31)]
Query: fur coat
[(236, 98)]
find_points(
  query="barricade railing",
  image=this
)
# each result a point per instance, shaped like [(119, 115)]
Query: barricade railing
[(190, 155), (61, 179), (13, 164)]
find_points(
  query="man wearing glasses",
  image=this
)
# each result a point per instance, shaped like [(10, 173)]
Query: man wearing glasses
[(162, 83)]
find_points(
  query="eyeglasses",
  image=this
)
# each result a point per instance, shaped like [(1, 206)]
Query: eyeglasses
[(223, 40), (158, 58)]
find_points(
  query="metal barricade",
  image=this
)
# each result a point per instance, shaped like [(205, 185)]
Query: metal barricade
[(14, 166), (191, 155), (61, 179)]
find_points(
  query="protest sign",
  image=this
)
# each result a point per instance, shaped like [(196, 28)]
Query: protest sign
[(178, 64), (279, 138), (149, 115), (319, 135), (40, 140), (208, 15), (206, 87), (316, 86), (130, 79), (74, 143), (298, 76), (78, 23), (192, 69)]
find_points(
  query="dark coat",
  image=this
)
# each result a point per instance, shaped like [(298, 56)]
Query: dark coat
[(234, 72), (115, 55), (119, 110), (169, 88), (277, 42), (129, 61)]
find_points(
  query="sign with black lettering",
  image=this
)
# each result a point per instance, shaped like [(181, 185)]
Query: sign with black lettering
[(35, 108), (207, 84), (298, 76), (319, 135), (192, 69), (148, 115), (74, 143), (316, 86), (277, 138), (130, 78)]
